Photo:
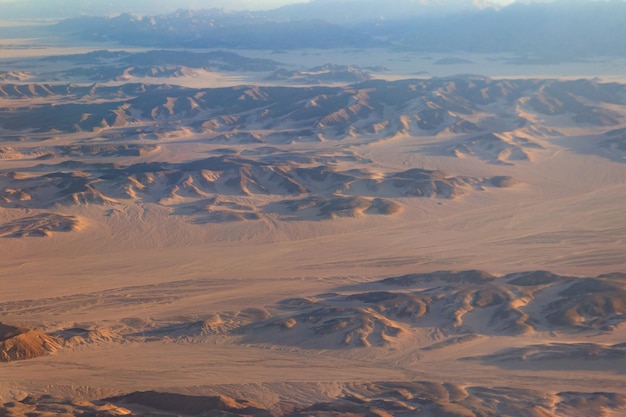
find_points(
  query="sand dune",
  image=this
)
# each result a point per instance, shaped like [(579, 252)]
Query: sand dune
[(564, 352), (190, 405), (368, 109), (154, 65), (493, 148), (572, 303), (9, 153), (390, 399), (14, 76), (321, 75), (243, 247), (40, 225), (436, 314), (615, 144), (376, 399), (554, 98), (18, 343), (46, 405), (193, 188), (78, 336), (334, 207), (475, 304), (447, 304)]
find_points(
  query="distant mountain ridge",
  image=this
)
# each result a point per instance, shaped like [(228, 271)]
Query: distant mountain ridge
[(30, 9), (317, 9), (537, 31), (360, 11)]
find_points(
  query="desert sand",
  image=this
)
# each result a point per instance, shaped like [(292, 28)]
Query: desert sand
[(221, 243)]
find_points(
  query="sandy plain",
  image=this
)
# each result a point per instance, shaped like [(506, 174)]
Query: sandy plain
[(139, 298)]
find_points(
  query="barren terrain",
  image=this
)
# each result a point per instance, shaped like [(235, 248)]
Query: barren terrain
[(225, 234)]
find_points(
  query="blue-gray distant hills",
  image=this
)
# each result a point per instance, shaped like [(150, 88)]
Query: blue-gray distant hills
[(338, 11), (561, 30)]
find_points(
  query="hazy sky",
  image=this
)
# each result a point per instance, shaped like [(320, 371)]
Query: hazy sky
[(10, 9), (267, 4), (158, 6), (252, 4), (262, 4)]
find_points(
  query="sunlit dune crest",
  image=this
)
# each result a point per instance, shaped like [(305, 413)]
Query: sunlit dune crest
[(247, 214)]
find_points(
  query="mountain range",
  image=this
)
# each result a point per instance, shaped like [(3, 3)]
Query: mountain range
[(368, 9), (560, 30), (303, 228)]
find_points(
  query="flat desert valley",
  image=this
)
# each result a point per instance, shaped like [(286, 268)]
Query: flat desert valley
[(310, 233)]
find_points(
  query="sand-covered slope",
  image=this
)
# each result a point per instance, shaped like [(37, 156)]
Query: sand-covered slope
[(156, 65), (210, 187), (428, 327), (376, 399), (40, 225), (454, 306), (371, 109), (18, 343), (266, 249), (299, 153)]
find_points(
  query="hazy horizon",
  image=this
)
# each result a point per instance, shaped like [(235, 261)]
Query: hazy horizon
[(52, 9), (244, 4)]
